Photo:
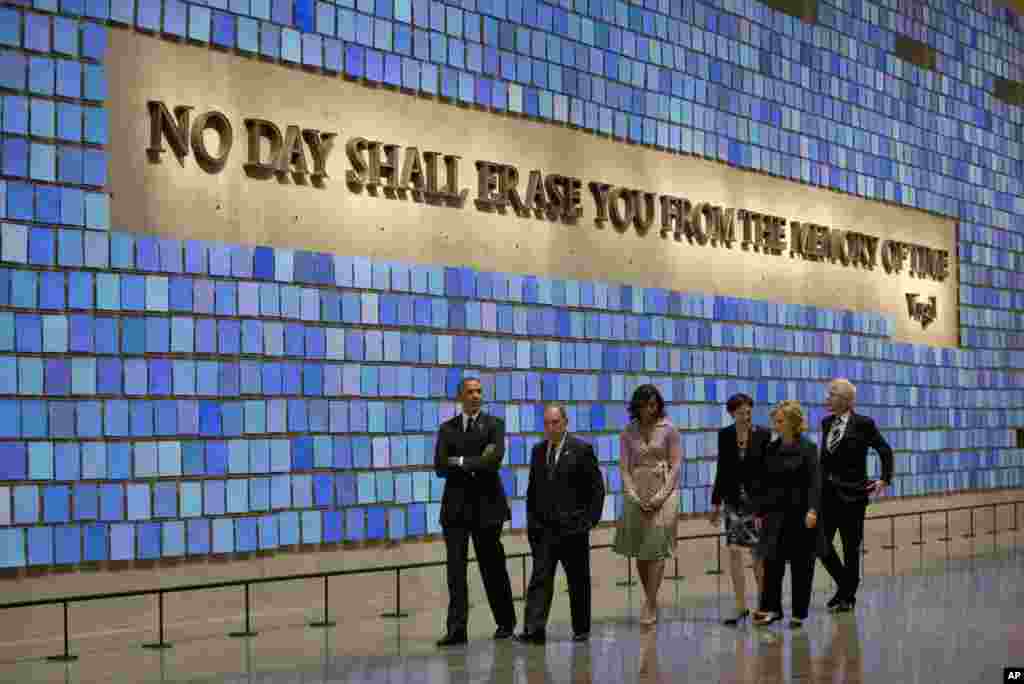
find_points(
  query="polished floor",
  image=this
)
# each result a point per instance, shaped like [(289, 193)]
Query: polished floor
[(938, 612)]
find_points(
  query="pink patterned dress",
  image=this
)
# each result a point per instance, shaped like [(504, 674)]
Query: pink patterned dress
[(649, 467)]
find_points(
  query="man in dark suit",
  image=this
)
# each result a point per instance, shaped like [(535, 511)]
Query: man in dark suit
[(564, 500), (469, 452), (846, 437)]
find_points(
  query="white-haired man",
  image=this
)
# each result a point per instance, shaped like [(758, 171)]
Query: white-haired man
[(846, 437)]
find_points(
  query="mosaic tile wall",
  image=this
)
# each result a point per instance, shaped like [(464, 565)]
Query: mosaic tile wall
[(162, 398)]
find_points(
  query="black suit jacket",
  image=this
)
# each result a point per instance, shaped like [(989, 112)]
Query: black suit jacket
[(473, 493), (789, 485), (845, 471), (571, 501), (789, 479), (731, 473)]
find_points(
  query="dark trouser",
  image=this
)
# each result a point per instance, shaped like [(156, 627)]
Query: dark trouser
[(795, 544), (848, 519), (801, 578), (490, 555), (573, 552)]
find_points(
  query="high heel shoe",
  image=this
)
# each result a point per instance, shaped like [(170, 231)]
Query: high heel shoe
[(734, 621)]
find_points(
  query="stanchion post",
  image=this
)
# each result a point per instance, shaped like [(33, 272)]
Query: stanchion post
[(946, 538), (247, 632), (1014, 528), (66, 656), (718, 557), (326, 622), (676, 577), (160, 623), (892, 534), (920, 530), (970, 535), (995, 524), (398, 612)]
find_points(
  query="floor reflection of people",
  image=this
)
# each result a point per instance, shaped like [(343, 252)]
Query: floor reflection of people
[(457, 663), (801, 665), (649, 670), (534, 664), (843, 656), (503, 666), (744, 661), (771, 665), (582, 665)]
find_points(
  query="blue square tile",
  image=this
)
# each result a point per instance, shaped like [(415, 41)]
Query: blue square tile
[(111, 502), (95, 543), (89, 420), (55, 334), (52, 290), (172, 539), (198, 535), (13, 460), (57, 377), (40, 546)]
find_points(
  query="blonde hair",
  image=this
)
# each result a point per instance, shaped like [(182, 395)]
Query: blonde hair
[(792, 414)]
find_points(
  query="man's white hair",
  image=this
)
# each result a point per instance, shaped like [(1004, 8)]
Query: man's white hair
[(844, 387)]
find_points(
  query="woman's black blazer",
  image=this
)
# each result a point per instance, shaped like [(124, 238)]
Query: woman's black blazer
[(731, 472)]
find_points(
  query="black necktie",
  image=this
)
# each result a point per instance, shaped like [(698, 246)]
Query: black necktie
[(469, 423), (551, 460)]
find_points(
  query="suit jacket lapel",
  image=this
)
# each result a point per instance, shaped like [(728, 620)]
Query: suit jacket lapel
[(829, 422), (847, 429)]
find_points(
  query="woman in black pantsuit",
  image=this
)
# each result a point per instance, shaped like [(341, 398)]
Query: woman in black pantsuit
[(786, 501)]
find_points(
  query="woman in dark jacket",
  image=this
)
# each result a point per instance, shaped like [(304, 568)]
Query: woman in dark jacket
[(740, 448), (786, 500)]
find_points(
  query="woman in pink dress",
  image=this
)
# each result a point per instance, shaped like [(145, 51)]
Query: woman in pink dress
[(650, 461)]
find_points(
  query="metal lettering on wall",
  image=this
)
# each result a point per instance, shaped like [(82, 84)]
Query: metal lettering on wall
[(301, 156)]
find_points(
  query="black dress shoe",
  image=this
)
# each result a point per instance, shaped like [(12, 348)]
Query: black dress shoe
[(531, 637), (733, 621), (452, 639), (504, 633), (834, 604), (582, 636)]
